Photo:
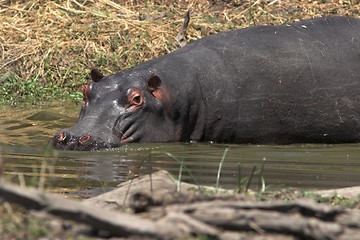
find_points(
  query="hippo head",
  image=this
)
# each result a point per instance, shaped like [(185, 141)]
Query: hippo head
[(118, 109)]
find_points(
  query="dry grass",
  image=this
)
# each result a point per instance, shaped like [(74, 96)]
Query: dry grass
[(54, 42)]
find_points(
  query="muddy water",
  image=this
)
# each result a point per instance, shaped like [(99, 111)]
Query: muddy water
[(28, 158)]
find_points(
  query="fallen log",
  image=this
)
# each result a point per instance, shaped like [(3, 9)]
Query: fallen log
[(167, 213), (348, 192), (116, 223), (157, 189)]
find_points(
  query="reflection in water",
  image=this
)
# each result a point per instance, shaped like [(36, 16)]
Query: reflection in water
[(25, 126), (25, 133)]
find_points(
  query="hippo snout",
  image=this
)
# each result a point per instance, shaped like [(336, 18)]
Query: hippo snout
[(64, 140)]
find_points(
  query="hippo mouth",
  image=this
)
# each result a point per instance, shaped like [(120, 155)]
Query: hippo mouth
[(126, 139), (127, 136)]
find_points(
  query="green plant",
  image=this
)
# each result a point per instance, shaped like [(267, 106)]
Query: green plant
[(220, 167), (32, 90)]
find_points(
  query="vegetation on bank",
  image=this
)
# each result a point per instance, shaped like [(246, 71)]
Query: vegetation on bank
[(47, 47)]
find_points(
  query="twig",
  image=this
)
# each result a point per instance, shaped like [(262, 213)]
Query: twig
[(181, 36)]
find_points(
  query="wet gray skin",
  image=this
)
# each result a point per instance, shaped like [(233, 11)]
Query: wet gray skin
[(296, 83)]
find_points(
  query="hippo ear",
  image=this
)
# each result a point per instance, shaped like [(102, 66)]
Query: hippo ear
[(154, 83), (155, 87), (96, 75)]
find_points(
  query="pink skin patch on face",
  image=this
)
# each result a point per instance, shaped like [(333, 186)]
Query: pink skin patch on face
[(86, 93)]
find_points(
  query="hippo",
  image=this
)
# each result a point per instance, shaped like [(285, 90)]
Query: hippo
[(294, 83)]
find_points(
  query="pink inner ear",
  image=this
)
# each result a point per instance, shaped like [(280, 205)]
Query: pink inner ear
[(154, 84), (157, 90), (158, 94)]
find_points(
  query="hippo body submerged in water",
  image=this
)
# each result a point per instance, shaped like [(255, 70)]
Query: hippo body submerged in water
[(285, 84)]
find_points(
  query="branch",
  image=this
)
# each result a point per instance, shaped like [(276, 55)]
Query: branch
[(181, 36), (116, 223)]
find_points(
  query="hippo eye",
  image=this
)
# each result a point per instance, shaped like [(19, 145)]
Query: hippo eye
[(135, 98)]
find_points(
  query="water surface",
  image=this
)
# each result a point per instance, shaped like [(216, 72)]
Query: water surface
[(28, 158)]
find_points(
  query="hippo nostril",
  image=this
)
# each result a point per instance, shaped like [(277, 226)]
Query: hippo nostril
[(61, 137), (84, 139)]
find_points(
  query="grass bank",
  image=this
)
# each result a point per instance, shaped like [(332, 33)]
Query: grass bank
[(47, 47)]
